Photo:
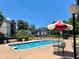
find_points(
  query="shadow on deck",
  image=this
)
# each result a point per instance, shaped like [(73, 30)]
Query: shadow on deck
[(65, 55)]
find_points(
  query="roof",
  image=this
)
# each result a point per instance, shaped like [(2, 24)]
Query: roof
[(9, 21)]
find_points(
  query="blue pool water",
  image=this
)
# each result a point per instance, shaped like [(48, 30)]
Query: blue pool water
[(29, 45)]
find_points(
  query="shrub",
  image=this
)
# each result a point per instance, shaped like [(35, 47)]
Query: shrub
[(23, 35), (27, 38), (19, 38)]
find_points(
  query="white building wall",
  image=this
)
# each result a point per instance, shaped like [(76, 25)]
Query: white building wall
[(8, 30), (5, 29)]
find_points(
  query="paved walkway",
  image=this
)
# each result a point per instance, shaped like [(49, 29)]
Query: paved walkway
[(45, 52)]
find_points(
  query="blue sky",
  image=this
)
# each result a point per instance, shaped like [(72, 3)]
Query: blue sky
[(38, 12)]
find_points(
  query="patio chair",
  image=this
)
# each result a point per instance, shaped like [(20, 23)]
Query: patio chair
[(59, 47)]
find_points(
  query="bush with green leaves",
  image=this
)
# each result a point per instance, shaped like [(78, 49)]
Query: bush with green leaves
[(27, 38), (19, 38), (23, 34)]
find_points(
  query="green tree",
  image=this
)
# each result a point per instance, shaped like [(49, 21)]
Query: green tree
[(77, 25), (70, 21), (64, 21), (53, 22), (1, 18), (32, 28), (23, 34), (22, 24)]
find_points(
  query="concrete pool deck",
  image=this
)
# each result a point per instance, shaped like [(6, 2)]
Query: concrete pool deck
[(45, 52)]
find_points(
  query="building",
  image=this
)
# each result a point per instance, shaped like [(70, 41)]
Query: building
[(77, 2), (42, 31), (8, 28)]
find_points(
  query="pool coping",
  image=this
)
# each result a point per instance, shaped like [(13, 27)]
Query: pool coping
[(13, 48), (28, 41)]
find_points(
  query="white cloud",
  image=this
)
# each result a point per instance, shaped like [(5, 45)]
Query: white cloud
[(8, 18)]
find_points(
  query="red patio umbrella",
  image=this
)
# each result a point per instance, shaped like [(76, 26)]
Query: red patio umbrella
[(59, 25)]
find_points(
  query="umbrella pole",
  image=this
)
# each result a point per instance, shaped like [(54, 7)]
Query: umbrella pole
[(60, 36), (59, 39)]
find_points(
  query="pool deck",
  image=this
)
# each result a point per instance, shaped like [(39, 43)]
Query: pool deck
[(45, 52)]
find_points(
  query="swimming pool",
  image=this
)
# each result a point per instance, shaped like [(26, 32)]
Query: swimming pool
[(32, 44)]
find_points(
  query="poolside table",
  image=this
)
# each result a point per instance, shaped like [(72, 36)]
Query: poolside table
[(59, 46)]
